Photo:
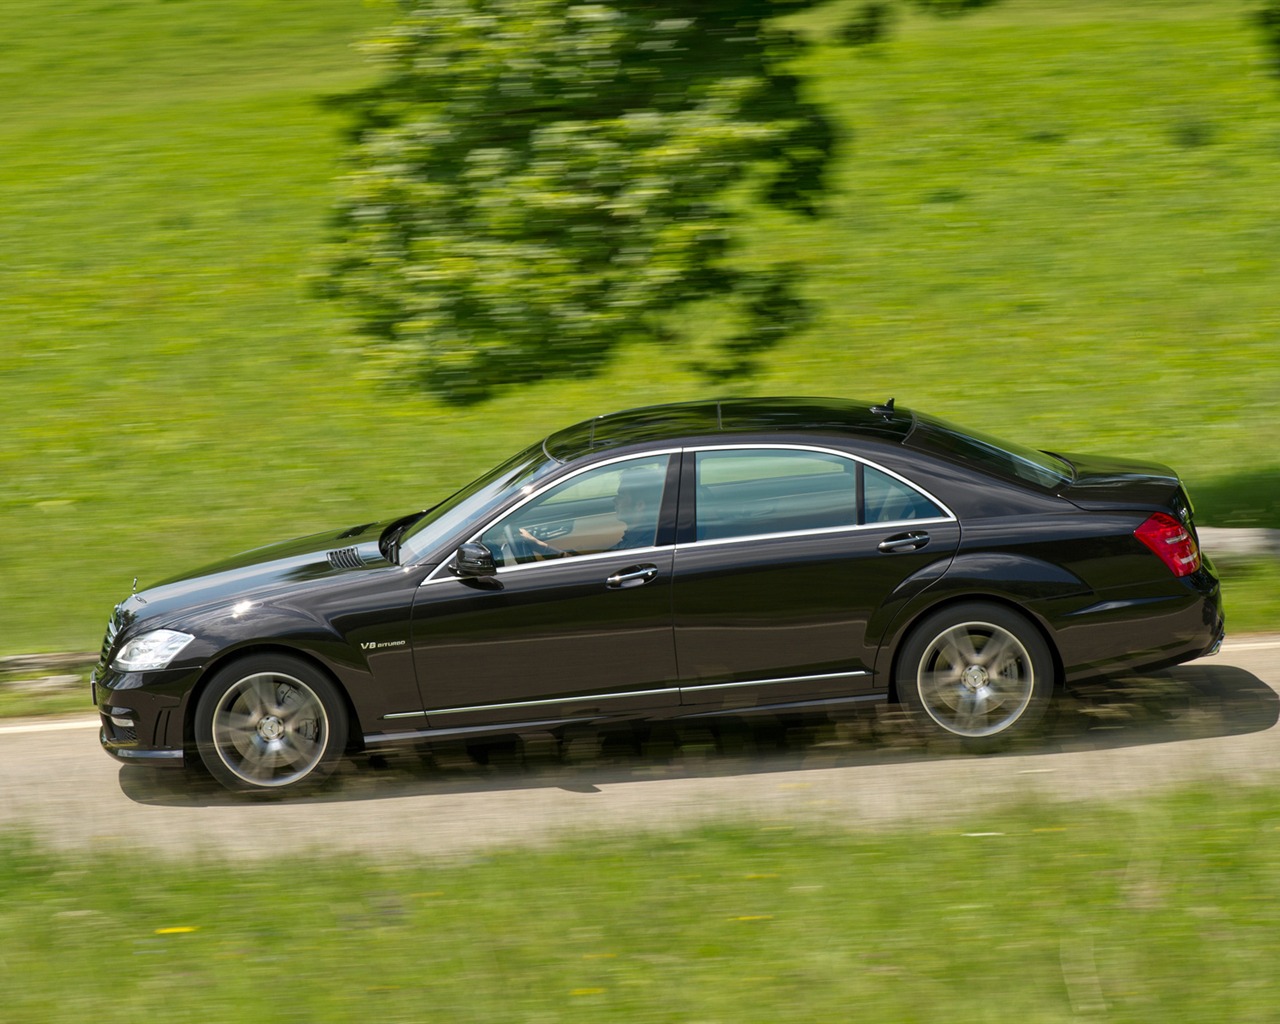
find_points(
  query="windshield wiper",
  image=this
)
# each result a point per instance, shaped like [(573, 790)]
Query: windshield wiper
[(389, 542)]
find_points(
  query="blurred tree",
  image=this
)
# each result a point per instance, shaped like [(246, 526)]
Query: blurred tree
[(534, 181), (868, 24), (1268, 19), (871, 20), (950, 8)]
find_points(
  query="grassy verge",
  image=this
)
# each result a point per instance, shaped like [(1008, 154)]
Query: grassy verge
[(1251, 592), (45, 685), (65, 700), (1039, 914), (1050, 220)]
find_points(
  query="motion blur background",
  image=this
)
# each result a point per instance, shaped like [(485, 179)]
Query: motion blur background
[(1050, 219), (1054, 220)]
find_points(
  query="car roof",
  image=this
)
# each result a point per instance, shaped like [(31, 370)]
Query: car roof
[(731, 416)]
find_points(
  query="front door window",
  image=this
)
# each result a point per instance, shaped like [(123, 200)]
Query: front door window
[(611, 508)]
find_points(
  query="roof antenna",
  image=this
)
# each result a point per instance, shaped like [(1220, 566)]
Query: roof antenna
[(885, 410)]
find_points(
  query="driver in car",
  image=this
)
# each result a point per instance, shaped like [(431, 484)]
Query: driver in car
[(636, 505)]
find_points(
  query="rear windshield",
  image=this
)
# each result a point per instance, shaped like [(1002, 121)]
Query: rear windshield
[(1003, 458)]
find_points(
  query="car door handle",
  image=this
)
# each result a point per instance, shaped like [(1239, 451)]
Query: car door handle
[(636, 576), (904, 542)]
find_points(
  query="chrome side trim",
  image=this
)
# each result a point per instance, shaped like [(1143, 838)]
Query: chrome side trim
[(443, 575), (584, 699), (785, 707), (897, 524), (588, 698), (377, 740), (767, 446), (773, 682), (381, 739)]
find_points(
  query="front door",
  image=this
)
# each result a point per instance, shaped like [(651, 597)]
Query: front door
[(577, 621)]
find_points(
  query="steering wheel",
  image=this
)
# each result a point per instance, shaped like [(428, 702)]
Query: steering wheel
[(521, 550)]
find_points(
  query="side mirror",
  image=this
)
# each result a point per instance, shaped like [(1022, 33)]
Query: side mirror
[(475, 560)]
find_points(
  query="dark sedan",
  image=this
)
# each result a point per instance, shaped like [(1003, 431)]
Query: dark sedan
[(775, 556)]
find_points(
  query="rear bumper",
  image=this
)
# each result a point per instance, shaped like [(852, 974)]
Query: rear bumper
[(1121, 631), (1217, 644)]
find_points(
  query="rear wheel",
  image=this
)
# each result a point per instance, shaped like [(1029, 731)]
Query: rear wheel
[(270, 724), (978, 672)]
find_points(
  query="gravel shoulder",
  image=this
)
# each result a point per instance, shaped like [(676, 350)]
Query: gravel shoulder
[(1210, 720)]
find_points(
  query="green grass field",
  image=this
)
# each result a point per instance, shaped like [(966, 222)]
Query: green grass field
[(1039, 914), (1054, 220)]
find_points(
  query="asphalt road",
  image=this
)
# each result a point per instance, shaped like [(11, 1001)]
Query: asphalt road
[(1212, 719)]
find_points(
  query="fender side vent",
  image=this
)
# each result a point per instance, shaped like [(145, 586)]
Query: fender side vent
[(345, 558)]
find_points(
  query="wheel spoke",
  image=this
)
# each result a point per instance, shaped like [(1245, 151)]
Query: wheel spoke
[(297, 715), (955, 648), (975, 679), (294, 750), (940, 687), (999, 650), (270, 730), (261, 767), (259, 694), (971, 710), (236, 722), (967, 652)]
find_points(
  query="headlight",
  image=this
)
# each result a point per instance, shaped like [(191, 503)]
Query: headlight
[(151, 651)]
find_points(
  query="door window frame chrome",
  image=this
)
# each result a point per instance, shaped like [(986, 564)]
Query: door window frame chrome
[(444, 571), (948, 515)]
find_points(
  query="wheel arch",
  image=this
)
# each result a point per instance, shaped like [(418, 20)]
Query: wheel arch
[(355, 729), (907, 628)]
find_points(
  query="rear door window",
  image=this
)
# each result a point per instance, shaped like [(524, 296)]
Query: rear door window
[(755, 492), (746, 492)]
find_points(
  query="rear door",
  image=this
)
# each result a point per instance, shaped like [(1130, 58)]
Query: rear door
[(785, 556)]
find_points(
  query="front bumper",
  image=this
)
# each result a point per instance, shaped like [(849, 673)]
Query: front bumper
[(143, 714)]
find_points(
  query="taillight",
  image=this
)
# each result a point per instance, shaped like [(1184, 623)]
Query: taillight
[(1172, 541)]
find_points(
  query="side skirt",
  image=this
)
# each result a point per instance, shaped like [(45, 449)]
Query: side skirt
[(808, 707)]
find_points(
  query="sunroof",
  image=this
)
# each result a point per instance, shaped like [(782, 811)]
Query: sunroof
[(739, 415)]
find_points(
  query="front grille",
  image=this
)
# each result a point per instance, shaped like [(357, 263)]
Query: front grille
[(108, 641), (346, 558)]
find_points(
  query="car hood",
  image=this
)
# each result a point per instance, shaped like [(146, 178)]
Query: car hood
[(1103, 483), (258, 573)]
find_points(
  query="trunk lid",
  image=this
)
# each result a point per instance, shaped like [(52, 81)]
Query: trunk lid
[(1103, 484)]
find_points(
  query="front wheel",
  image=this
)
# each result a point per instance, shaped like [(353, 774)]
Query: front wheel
[(978, 672), (270, 723)]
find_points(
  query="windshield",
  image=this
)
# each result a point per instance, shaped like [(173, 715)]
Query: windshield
[(474, 501), (1004, 458)]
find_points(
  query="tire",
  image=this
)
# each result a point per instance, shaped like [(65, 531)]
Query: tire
[(270, 724), (977, 672)]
